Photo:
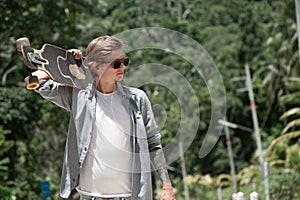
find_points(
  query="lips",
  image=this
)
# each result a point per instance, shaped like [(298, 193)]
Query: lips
[(120, 72)]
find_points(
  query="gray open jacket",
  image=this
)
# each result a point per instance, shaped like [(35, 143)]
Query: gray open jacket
[(145, 137)]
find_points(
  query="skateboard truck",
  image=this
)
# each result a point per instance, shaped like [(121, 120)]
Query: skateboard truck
[(31, 82), (35, 58)]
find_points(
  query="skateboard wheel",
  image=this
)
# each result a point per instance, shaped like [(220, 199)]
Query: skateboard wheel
[(32, 82), (22, 41)]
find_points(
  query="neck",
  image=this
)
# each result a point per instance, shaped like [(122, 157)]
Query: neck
[(105, 87)]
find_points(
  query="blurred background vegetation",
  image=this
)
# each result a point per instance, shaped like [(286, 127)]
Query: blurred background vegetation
[(233, 32)]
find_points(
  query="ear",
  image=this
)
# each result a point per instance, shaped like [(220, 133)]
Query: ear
[(100, 69)]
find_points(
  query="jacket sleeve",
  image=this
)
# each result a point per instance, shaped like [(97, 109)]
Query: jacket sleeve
[(57, 93), (154, 139)]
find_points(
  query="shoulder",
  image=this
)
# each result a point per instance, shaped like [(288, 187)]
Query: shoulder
[(132, 90), (138, 93), (86, 92)]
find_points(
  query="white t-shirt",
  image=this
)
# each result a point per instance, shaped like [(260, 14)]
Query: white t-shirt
[(106, 171)]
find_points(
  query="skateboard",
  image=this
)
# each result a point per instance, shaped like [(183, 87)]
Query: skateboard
[(57, 62)]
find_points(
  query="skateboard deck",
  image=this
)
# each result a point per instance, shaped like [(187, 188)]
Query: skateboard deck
[(59, 63)]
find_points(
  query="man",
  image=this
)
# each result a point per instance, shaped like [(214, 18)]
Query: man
[(113, 142)]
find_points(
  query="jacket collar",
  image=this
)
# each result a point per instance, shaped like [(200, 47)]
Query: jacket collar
[(128, 96), (124, 93)]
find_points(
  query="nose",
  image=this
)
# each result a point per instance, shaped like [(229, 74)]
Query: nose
[(123, 66)]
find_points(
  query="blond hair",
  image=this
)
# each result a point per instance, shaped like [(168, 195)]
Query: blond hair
[(98, 51)]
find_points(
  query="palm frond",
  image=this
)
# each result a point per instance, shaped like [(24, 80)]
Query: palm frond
[(291, 124), (267, 79), (292, 82), (276, 162), (291, 112), (290, 98), (247, 174), (223, 180), (283, 138)]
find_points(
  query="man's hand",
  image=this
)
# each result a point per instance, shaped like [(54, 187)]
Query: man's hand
[(40, 75), (167, 193), (76, 53)]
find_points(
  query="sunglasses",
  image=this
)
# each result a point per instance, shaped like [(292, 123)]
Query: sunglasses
[(117, 63)]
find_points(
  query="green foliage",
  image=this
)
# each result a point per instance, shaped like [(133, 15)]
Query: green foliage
[(284, 152), (284, 184), (27, 137), (6, 145)]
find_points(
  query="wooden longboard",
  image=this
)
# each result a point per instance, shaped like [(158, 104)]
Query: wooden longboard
[(59, 63)]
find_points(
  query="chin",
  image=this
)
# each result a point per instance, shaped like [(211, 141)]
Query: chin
[(119, 79), (121, 76)]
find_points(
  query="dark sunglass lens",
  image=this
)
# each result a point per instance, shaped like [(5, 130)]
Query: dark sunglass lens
[(126, 61), (117, 64)]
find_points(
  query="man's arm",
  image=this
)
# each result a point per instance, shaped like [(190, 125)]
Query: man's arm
[(156, 151), (41, 74), (159, 163), (55, 92)]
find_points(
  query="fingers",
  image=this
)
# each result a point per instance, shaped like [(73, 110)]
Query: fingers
[(76, 53), (167, 195)]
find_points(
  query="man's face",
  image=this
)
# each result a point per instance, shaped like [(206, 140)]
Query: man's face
[(108, 73)]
